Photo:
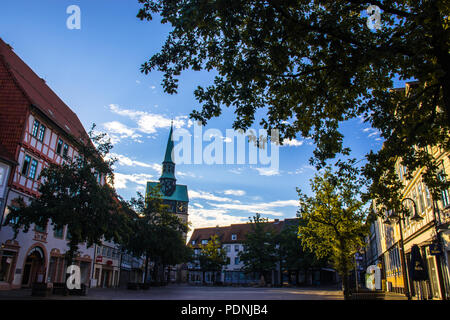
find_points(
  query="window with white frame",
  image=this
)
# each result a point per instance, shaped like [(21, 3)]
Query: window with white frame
[(41, 133), (234, 236), (34, 131)]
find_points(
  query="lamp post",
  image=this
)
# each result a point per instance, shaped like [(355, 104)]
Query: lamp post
[(398, 219)]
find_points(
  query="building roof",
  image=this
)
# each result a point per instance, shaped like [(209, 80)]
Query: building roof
[(180, 193), (225, 233), (5, 155), (40, 95)]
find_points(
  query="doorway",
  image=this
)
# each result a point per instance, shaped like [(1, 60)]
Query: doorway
[(34, 268), (106, 274)]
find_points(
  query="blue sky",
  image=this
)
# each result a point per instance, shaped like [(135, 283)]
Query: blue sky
[(95, 70)]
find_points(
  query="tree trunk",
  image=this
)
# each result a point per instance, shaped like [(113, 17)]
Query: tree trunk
[(345, 271)]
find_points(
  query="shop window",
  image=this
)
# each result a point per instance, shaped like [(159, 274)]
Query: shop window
[(58, 232), (52, 270), (6, 263)]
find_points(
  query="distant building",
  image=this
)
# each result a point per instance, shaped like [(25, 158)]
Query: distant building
[(232, 239)]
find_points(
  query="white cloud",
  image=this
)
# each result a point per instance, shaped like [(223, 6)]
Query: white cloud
[(126, 161), (303, 169), (193, 194), (292, 143), (148, 122), (186, 174), (267, 171), (258, 207), (237, 170), (121, 180), (372, 132), (204, 218), (234, 192)]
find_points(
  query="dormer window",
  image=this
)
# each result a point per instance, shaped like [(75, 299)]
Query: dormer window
[(234, 236)]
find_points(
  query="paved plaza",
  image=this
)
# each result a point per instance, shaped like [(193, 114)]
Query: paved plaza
[(187, 292)]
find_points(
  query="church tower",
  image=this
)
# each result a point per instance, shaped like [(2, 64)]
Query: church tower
[(174, 195)]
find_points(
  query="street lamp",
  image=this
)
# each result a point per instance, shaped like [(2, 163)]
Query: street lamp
[(397, 219)]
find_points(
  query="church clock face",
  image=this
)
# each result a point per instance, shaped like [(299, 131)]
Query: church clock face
[(182, 207)]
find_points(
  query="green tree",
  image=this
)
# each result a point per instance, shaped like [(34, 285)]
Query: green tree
[(333, 220), (309, 65), (71, 195), (212, 257), (157, 234), (260, 253), (293, 256)]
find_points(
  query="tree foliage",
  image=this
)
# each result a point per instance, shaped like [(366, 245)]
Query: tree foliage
[(260, 252), (309, 65), (157, 233), (212, 257), (71, 195), (294, 257), (333, 220)]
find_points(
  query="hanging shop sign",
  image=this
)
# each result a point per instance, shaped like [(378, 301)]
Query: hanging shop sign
[(435, 249)]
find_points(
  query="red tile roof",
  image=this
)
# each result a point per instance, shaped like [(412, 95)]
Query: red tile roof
[(40, 95), (5, 155), (224, 233)]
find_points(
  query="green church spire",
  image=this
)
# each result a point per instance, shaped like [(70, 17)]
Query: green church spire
[(169, 148), (167, 179)]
